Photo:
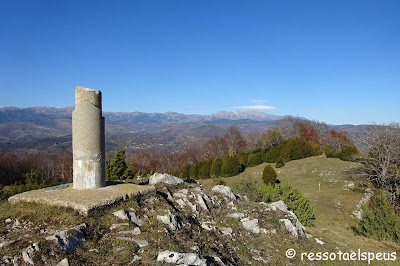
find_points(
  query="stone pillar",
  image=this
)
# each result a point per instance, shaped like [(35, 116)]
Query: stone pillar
[(88, 140)]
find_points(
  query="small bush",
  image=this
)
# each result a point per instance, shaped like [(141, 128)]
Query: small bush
[(279, 163), (379, 221), (269, 175), (293, 198), (32, 181), (268, 193), (3, 194), (219, 181), (331, 153), (297, 203), (316, 148), (348, 152), (249, 189)]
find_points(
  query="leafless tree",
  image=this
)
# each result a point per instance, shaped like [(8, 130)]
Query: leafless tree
[(322, 130), (214, 148), (64, 165), (234, 140), (142, 161), (253, 140), (382, 165), (47, 166), (288, 128), (190, 155), (163, 161), (10, 168)]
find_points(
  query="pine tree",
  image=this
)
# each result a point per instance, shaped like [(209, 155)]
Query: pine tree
[(204, 169), (295, 149), (33, 180), (185, 172), (194, 170), (379, 220), (254, 159), (297, 203), (215, 170), (242, 158), (117, 168), (230, 166), (269, 175)]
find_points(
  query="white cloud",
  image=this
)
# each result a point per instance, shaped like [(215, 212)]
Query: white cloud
[(254, 107), (258, 101)]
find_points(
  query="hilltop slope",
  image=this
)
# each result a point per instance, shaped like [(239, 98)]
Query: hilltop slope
[(336, 202), (201, 224)]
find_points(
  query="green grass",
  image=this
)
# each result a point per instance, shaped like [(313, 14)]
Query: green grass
[(333, 204)]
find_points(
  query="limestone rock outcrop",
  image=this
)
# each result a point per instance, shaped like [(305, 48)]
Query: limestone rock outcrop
[(227, 191), (69, 240), (170, 220), (181, 258), (158, 178)]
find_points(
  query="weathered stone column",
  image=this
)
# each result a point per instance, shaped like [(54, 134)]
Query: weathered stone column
[(88, 140)]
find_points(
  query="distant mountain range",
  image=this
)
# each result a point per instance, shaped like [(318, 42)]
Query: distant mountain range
[(11, 113), (49, 127)]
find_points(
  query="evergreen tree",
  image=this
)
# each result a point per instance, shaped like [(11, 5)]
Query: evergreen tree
[(347, 152), (32, 177), (230, 166), (272, 154), (297, 203), (242, 158), (204, 169), (379, 220), (33, 180), (185, 171), (215, 170), (269, 175), (194, 171), (254, 159), (296, 148), (117, 168)]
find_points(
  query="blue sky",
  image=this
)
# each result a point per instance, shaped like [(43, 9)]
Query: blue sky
[(332, 61)]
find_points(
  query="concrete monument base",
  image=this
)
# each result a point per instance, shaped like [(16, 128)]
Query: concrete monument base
[(88, 201)]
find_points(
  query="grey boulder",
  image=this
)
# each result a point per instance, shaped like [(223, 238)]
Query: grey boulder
[(170, 220), (158, 178), (224, 190), (69, 240)]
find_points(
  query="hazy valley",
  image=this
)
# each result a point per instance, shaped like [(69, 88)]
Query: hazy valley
[(45, 128)]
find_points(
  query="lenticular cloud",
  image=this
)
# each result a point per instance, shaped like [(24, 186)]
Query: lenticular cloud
[(254, 107)]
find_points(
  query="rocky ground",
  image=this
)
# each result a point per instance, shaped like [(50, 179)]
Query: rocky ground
[(184, 223)]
